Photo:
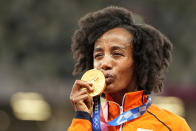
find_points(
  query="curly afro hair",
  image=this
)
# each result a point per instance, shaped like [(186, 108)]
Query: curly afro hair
[(151, 49)]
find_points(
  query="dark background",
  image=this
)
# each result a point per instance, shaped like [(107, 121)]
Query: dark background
[(35, 55)]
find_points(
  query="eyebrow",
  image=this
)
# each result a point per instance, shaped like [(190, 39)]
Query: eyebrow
[(118, 48), (97, 49)]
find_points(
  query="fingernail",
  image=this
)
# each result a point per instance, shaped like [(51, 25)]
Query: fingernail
[(91, 84)]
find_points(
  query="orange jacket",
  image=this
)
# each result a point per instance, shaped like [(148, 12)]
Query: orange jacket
[(154, 119)]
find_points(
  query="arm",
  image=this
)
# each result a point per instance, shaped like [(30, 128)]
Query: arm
[(81, 122), (82, 104)]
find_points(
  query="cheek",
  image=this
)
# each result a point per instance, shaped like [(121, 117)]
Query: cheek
[(95, 64), (126, 73)]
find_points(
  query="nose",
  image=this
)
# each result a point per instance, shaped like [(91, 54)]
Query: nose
[(106, 63)]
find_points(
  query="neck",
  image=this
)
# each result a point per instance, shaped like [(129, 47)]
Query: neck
[(118, 96)]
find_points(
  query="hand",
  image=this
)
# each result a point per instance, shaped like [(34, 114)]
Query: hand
[(80, 98)]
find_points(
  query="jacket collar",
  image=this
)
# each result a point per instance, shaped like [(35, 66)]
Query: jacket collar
[(131, 99)]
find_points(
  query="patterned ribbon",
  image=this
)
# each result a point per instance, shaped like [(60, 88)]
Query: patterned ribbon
[(96, 114), (122, 118)]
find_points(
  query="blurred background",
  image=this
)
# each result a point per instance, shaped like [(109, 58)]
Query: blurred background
[(36, 61)]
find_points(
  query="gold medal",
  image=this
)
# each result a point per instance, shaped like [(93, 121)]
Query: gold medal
[(97, 78)]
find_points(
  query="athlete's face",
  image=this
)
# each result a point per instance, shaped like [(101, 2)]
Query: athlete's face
[(113, 55)]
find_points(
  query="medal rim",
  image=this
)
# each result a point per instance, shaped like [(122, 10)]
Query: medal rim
[(104, 86)]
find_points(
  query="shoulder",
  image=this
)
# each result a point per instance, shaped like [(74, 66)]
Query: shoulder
[(176, 122)]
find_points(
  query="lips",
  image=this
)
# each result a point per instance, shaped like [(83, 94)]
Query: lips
[(109, 78)]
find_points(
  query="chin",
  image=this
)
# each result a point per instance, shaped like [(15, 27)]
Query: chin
[(110, 89)]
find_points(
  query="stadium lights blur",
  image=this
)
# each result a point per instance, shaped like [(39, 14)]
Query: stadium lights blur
[(172, 104), (30, 106)]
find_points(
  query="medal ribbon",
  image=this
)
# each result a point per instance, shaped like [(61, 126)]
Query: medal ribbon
[(96, 114), (122, 118)]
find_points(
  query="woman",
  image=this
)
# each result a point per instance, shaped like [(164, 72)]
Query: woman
[(133, 59)]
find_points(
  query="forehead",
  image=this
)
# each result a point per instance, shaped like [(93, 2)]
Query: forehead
[(118, 36)]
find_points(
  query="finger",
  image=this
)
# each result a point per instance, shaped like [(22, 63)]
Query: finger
[(82, 84), (89, 102), (79, 98), (74, 95), (87, 85), (83, 91)]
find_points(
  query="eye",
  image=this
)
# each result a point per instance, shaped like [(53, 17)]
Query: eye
[(117, 54), (98, 55)]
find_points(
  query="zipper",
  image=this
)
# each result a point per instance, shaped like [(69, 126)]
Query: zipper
[(121, 111)]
